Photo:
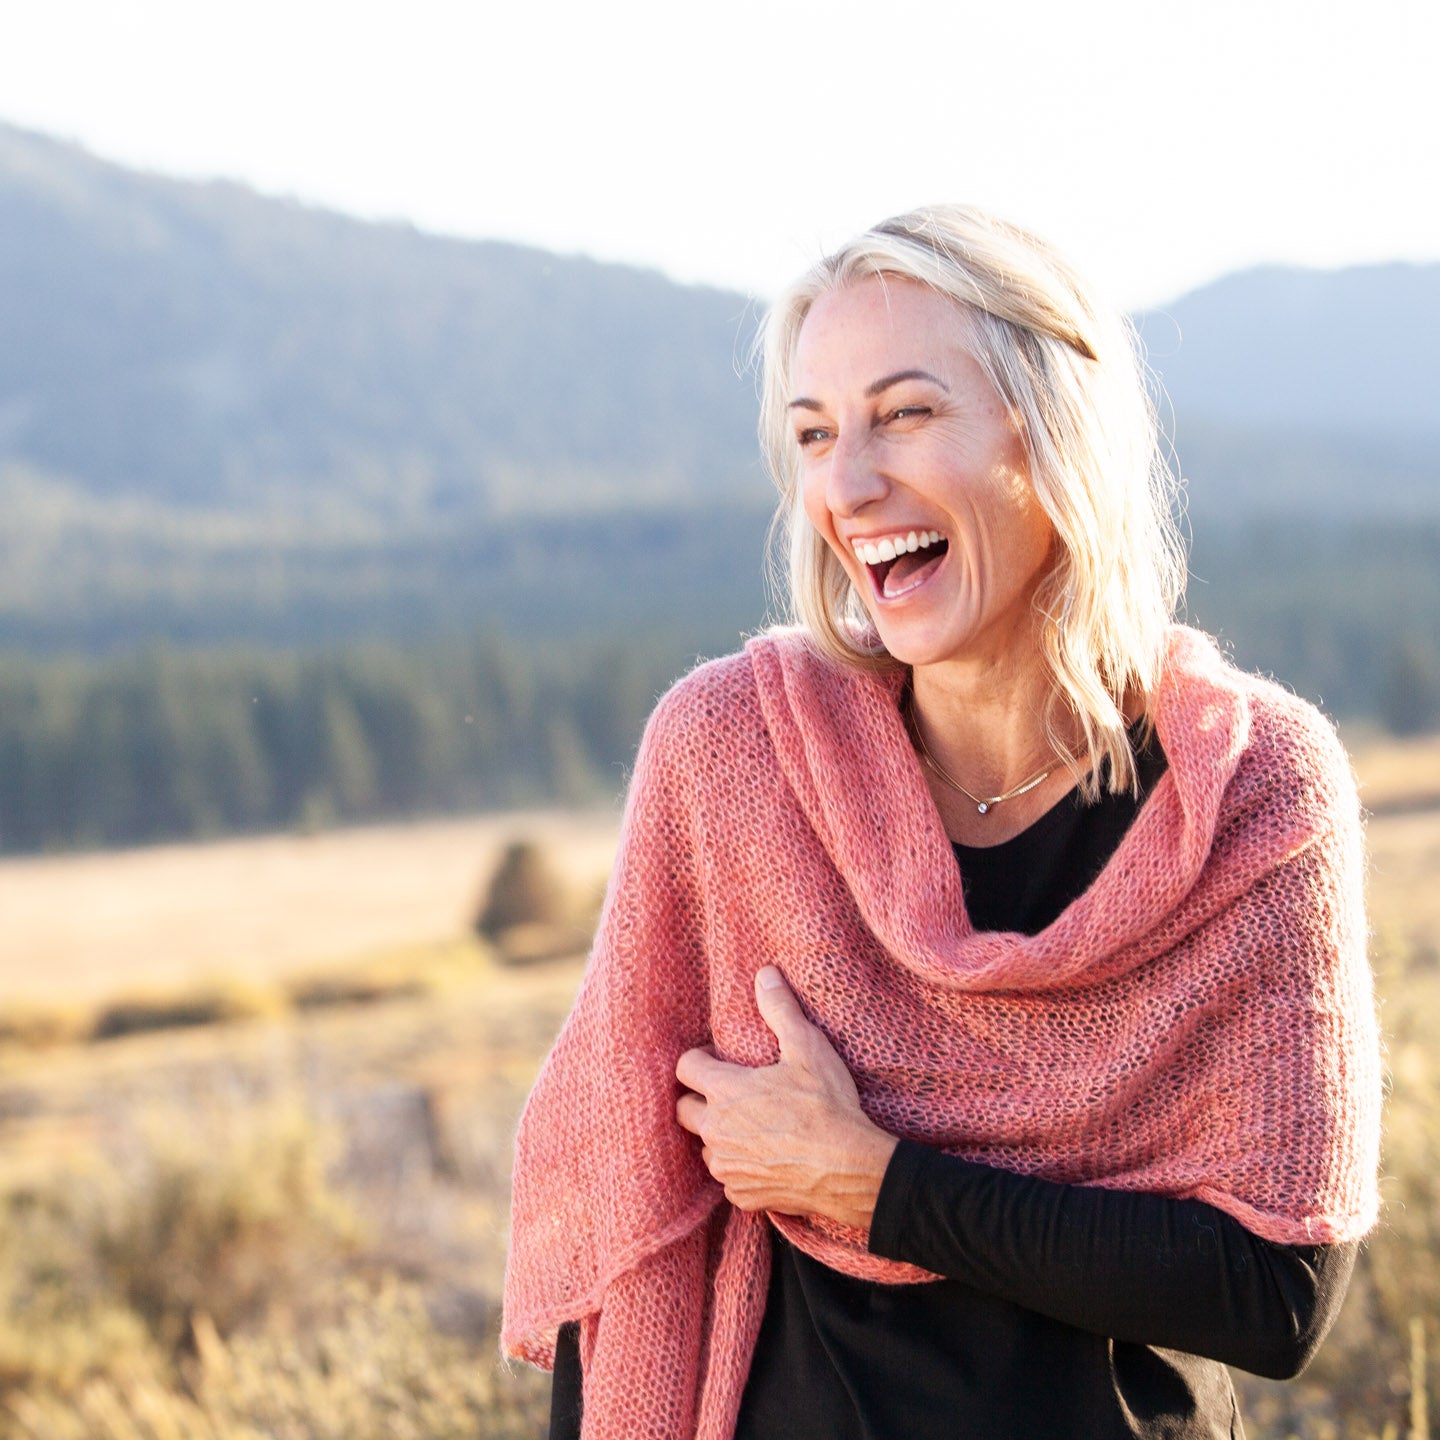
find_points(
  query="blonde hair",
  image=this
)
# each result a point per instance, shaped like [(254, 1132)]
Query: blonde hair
[(1071, 373)]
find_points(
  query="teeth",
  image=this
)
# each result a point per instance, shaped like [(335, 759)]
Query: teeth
[(872, 552)]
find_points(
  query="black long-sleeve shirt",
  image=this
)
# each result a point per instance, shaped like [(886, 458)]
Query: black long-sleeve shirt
[(1066, 1311)]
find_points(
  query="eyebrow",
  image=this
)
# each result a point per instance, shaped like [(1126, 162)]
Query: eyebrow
[(876, 387)]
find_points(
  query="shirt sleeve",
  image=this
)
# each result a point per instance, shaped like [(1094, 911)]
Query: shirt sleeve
[(1144, 1269), (565, 1394)]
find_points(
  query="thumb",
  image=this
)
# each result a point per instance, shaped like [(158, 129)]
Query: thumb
[(779, 1008)]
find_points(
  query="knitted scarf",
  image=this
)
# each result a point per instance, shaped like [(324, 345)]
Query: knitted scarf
[(1198, 1024)]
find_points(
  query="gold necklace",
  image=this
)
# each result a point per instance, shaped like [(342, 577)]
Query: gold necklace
[(983, 806)]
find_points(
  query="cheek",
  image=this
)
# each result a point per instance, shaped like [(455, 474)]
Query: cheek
[(1030, 531), (1041, 531), (812, 501), (817, 512)]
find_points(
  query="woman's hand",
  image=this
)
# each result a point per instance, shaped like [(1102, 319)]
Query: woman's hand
[(789, 1137)]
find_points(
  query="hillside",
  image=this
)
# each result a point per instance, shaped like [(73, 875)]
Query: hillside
[(201, 347), (1305, 393), (201, 357), (1343, 353), (232, 419)]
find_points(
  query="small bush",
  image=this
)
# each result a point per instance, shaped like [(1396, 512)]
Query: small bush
[(211, 1005), (59, 1327), (379, 1371), (38, 1027), (227, 1220), (531, 943), (523, 891), (319, 992)]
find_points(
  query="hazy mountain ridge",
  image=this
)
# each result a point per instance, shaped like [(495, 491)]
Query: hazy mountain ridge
[(478, 502), (205, 346), (226, 417), (202, 345), (1353, 352)]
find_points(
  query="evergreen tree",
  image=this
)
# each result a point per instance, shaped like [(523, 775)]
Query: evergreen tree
[(1410, 693)]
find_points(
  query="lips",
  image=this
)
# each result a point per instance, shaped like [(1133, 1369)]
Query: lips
[(896, 577), (898, 563)]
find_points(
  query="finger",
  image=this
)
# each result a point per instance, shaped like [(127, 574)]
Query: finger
[(779, 1008), (690, 1111), (700, 1070)]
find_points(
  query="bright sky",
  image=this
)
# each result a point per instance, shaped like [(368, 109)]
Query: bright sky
[(1158, 142)]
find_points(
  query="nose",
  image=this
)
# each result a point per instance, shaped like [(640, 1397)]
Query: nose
[(853, 480)]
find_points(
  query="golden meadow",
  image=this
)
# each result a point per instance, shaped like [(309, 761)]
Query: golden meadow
[(256, 1102)]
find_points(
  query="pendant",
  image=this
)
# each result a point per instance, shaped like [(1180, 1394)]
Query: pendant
[(983, 806)]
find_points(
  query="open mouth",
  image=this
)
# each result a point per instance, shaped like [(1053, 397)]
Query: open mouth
[(898, 564)]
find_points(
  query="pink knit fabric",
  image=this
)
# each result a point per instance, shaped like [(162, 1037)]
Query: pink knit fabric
[(1200, 1023)]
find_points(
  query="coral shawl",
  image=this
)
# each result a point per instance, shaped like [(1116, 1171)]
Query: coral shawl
[(1198, 1024)]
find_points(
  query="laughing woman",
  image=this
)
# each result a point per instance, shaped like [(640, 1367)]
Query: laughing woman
[(978, 1040)]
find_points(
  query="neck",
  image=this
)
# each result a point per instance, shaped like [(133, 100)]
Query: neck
[(983, 728), (984, 723)]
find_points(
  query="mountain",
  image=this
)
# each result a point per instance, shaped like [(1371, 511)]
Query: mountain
[(228, 417), (1342, 353), (198, 345), (1305, 393)]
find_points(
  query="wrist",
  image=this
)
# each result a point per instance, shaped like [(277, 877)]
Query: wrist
[(870, 1163)]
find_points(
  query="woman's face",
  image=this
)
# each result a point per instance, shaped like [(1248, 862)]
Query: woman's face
[(914, 472)]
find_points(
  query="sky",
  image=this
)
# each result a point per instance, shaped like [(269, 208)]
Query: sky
[(1159, 143)]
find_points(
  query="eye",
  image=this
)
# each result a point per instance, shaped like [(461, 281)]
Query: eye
[(909, 412), (811, 435)]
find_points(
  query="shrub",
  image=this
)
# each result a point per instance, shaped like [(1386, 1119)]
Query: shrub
[(523, 891), (210, 1005), (226, 1221), (59, 1327), (379, 1371)]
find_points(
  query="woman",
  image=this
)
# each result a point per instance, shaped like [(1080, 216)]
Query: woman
[(1006, 944)]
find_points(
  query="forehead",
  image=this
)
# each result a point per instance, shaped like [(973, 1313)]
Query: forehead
[(878, 325)]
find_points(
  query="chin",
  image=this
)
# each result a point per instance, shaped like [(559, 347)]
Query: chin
[(918, 646), (908, 648)]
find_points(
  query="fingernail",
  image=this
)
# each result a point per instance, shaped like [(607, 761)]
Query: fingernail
[(771, 978)]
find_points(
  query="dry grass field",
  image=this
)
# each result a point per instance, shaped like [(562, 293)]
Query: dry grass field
[(1398, 775), (82, 927), (194, 1203), (286, 1217)]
